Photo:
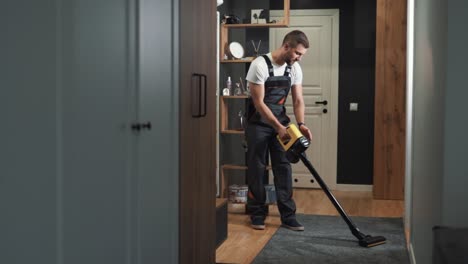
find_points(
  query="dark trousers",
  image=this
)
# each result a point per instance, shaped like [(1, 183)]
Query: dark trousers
[(260, 140)]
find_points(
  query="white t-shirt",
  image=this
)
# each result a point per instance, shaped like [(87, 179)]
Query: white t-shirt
[(258, 71)]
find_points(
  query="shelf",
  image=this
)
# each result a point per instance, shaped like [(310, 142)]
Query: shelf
[(269, 25), (237, 61), (223, 110), (238, 203), (224, 40), (235, 96), (231, 202), (233, 167), (237, 167), (232, 131)]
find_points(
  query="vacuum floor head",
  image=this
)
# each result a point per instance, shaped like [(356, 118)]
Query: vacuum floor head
[(372, 241)]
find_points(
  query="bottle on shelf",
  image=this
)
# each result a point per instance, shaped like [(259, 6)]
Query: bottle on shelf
[(228, 89), (237, 90), (229, 83)]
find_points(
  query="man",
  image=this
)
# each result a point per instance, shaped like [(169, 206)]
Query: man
[(270, 78)]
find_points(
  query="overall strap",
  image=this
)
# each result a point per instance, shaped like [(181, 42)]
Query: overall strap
[(287, 71), (270, 66)]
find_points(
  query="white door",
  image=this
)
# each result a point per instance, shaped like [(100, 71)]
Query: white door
[(320, 84)]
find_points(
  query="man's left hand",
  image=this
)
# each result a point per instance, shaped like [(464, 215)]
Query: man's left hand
[(306, 132)]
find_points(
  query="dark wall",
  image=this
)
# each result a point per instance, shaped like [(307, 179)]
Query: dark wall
[(356, 84), (356, 76)]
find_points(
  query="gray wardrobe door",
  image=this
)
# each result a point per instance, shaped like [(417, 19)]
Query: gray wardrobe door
[(158, 148), (28, 146), (96, 195), (120, 186), (77, 184)]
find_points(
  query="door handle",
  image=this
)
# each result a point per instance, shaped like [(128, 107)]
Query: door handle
[(200, 94), (324, 102), (141, 126)]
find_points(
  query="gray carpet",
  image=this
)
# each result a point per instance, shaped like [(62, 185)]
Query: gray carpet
[(327, 239)]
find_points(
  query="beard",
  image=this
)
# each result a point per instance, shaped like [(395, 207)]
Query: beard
[(288, 59)]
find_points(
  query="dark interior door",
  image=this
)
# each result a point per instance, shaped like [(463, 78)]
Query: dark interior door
[(197, 131)]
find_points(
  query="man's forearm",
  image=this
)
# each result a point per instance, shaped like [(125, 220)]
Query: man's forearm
[(299, 110)]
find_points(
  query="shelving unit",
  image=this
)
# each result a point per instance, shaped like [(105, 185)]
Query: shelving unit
[(224, 31), (225, 129)]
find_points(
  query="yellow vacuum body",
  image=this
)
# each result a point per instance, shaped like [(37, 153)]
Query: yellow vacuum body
[(295, 145)]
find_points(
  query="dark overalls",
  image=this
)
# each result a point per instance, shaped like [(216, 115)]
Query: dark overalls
[(261, 138)]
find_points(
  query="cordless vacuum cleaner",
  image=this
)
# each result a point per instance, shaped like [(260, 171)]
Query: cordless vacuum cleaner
[(295, 148)]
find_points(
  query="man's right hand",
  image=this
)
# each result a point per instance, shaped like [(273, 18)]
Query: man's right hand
[(282, 133)]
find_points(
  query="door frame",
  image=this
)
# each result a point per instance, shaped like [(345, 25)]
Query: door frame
[(331, 155)]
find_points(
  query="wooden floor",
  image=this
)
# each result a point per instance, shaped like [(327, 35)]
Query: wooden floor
[(244, 243)]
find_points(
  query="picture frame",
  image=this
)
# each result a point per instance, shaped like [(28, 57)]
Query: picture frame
[(258, 16)]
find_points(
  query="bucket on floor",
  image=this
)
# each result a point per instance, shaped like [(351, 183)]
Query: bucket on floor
[(238, 193)]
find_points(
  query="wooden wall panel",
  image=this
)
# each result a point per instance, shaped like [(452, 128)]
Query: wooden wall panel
[(390, 100)]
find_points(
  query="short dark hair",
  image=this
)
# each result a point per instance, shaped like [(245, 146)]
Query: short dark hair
[(296, 37)]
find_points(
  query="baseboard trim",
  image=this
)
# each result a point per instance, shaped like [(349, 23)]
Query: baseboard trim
[(354, 187), (411, 254)]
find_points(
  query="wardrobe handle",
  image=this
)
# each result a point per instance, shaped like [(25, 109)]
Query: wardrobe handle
[(141, 126), (200, 93)]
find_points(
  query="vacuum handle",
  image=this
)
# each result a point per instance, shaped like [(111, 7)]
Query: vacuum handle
[(293, 131), (332, 198)]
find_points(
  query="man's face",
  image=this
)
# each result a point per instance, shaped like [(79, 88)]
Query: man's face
[(294, 54)]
